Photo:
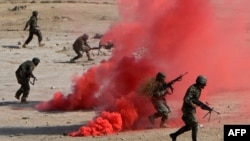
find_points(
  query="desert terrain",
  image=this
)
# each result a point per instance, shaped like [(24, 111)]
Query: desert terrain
[(61, 22)]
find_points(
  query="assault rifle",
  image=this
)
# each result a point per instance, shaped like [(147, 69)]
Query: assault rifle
[(179, 78), (205, 107), (169, 84), (108, 45), (34, 80)]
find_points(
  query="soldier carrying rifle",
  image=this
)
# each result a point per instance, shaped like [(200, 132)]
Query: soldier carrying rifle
[(81, 45), (157, 89), (190, 102), (23, 75)]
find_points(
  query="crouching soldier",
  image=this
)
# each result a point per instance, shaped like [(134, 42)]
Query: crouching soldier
[(23, 75), (80, 45)]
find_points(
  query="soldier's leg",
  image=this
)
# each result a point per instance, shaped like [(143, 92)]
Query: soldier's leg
[(185, 128), (79, 55), (18, 93), (160, 107), (165, 110), (28, 39), (25, 96), (169, 110), (194, 132), (40, 38), (20, 90), (153, 117), (88, 55), (26, 90), (164, 120), (194, 124)]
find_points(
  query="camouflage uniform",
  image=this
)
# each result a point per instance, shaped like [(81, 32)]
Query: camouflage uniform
[(159, 101), (33, 29), (81, 45), (23, 75), (189, 109)]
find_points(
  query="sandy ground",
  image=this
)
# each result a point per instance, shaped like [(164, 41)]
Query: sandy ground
[(61, 24)]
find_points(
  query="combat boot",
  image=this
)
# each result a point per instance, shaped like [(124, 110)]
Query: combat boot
[(163, 123), (24, 45), (24, 101), (72, 61), (18, 94), (173, 136), (17, 97), (40, 44)]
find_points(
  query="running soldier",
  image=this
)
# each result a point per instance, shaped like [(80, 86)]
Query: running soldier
[(159, 101), (23, 75), (189, 108), (80, 45), (33, 30)]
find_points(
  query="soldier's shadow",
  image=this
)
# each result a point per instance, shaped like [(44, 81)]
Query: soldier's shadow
[(11, 46), (68, 62), (17, 105), (77, 62)]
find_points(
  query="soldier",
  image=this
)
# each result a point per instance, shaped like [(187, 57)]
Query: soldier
[(189, 108), (81, 45), (23, 75), (159, 101), (33, 30)]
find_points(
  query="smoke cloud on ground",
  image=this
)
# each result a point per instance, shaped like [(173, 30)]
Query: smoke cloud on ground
[(173, 37)]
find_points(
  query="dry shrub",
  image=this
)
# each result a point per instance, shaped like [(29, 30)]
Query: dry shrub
[(148, 87)]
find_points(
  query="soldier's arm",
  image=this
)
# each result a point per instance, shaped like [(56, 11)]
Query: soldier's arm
[(26, 26), (29, 70), (161, 91), (189, 98), (27, 23), (86, 44)]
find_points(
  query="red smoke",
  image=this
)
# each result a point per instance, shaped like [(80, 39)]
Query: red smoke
[(163, 35), (106, 123)]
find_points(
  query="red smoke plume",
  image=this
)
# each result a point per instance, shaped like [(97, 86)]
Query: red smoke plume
[(106, 123), (163, 35)]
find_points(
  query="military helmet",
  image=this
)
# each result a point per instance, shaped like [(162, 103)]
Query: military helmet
[(201, 79), (35, 13), (85, 36), (36, 61), (160, 75)]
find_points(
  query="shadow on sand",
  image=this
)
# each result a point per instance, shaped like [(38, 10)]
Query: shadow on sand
[(48, 130), (12, 130), (11, 46), (19, 104)]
